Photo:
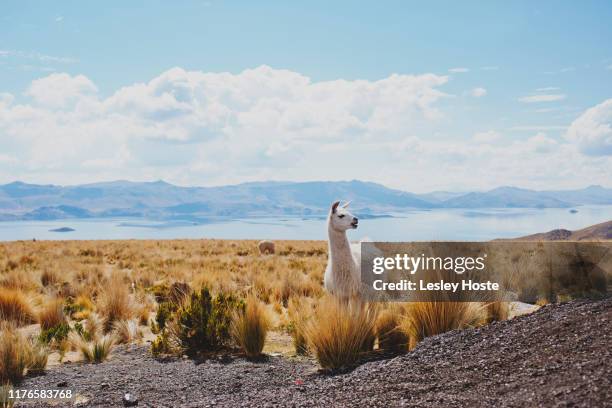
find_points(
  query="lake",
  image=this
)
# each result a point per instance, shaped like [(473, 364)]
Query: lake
[(417, 225)]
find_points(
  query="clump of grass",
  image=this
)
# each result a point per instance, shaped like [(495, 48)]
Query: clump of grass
[(250, 326), (49, 277), (300, 311), (388, 330), (126, 331), (52, 314), (340, 331), (18, 356), (115, 302), (5, 393), (38, 355), (497, 311), (14, 307), (426, 319), (96, 350), (14, 356)]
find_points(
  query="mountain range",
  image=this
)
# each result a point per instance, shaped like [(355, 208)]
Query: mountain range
[(22, 201)]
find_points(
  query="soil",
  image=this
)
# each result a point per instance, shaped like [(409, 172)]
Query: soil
[(558, 356)]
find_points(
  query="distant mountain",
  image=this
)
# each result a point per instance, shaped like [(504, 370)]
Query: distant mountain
[(511, 197), (596, 232), (162, 200)]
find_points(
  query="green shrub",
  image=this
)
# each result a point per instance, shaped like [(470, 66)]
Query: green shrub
[(55, 333), (164, 313), (201, 324)]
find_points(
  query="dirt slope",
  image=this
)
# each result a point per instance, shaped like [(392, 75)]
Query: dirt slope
[(595, 232), (560, 355)]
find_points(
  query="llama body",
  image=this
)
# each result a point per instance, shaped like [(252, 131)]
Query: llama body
[(343, 272)]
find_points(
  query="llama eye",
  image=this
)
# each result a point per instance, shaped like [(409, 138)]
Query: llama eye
[(341, 216)]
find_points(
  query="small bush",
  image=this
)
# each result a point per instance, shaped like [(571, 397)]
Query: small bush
[(340, 331), (430, 318), (38, 355), (54, 334), (250, 326), (201, 324), (14, 307), (163, 314)]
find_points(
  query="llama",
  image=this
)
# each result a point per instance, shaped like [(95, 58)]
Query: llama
[(343, 271), (266, 247)]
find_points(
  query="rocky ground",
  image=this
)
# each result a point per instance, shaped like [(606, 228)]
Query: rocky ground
[(559, 356)]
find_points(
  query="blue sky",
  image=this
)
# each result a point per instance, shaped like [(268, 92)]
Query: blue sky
[(513, 82)]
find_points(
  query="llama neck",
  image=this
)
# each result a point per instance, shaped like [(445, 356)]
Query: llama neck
[(340, 251)]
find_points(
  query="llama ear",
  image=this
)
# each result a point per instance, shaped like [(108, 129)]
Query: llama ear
[(346, 204), (334, 206)]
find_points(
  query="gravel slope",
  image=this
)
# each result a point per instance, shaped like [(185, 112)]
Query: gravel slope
[(559, 356)]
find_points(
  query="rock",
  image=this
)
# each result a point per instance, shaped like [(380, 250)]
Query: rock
[(130, 400), (62, 384), (266, 247)]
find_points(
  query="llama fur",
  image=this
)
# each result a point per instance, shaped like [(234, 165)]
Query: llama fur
[(343, 272)]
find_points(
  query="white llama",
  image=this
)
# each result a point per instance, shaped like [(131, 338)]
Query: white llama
[(343, 272)]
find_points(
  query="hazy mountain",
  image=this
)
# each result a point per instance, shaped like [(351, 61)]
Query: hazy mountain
[(163, 200), (512, 197)]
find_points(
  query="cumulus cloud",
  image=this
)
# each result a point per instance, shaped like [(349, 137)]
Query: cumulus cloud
[(478, 92), (592, 131), (60, 90), (205, 128), (542, 98)]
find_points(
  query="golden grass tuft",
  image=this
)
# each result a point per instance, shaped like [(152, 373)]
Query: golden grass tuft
[(426, 319), (250, 326), (339, 331), (96, 350), (14, 307), (497, 311), (115, 302), (19, 356), (51, 314), (388, 330), (126, 331), (14, 356)]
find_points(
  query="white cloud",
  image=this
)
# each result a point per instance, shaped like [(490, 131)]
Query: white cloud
[(542, 98), (458, 70), (205, 128), (540, 143), (59, 90), (478, 92), (548, 89), (486, 137), (592, 131)]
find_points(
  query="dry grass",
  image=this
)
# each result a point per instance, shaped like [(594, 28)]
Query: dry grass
[(497, 311), (51, 314), (127, 331), (96, 350), (339, 332), (18, 356), (426, 319), (115, 302), (250, 327), (388, 329), (15, 307), (14, 356)]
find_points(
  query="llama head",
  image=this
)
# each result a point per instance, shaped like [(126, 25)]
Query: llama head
[(340, 219)]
